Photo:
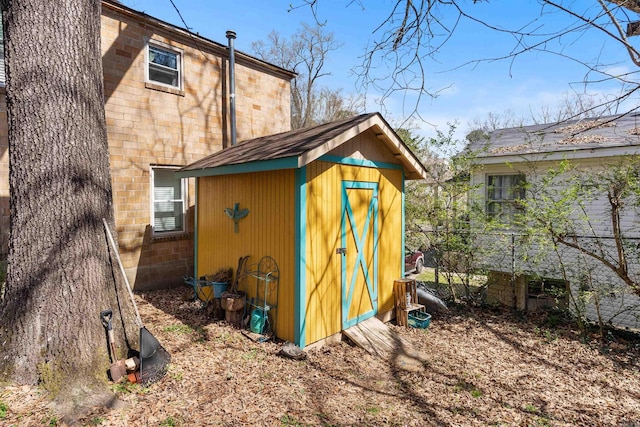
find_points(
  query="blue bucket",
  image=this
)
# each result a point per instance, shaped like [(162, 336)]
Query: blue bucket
[(219, 288)]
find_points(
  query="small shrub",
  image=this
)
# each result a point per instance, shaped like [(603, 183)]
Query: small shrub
[(125, 387), (120, 388), (176, 375), (288, 420), (170, 422), (532, 409), (3, 410), (251, 354), (373, 410), (179, 328)]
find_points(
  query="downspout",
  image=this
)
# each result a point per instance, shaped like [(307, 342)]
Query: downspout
[(231, 35)]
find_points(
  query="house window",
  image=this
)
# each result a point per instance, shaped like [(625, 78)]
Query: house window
[(164, 66), (168, 201), (503, 194)]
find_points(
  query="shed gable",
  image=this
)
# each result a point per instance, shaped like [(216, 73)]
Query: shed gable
[(365, 146)]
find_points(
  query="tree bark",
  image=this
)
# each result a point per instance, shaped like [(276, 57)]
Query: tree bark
[(59, 275)]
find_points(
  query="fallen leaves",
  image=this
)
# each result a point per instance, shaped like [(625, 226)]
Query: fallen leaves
[(482, 368)]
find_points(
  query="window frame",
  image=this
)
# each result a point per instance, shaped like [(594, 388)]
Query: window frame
[(511, 202), (179, 66), (184, 200)]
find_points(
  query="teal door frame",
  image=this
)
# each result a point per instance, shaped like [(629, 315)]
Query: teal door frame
[(359, 237)]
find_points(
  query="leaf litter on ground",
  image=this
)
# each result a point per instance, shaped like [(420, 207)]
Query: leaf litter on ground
[(480, 367)]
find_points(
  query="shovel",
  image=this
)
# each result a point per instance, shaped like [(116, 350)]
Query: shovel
[(117, 369), (154, 359)]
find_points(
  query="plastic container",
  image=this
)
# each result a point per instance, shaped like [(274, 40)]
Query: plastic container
[(420, 320), (219, 288), (257, 321)]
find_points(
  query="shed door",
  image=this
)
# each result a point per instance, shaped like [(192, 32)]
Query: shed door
[(360, 258)]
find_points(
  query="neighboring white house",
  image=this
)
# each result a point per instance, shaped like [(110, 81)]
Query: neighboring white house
[(524, 271)]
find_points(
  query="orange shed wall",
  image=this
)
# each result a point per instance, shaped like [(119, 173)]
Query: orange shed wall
[(267, 230), (323, 268)]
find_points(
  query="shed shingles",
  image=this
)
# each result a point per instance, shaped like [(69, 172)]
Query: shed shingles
[(278, 146)]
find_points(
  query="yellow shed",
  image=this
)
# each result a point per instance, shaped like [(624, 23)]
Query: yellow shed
[(326, 204)]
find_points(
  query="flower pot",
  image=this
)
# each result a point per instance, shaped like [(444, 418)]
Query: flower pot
[(232, 301), (234, 317)]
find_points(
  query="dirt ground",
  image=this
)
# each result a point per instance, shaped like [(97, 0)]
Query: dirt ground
[(483, 368)]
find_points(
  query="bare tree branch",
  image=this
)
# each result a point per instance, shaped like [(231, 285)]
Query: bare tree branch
[(414, 32), (306, 53)]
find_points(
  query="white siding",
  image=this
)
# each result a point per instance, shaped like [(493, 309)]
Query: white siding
[(617, 304)]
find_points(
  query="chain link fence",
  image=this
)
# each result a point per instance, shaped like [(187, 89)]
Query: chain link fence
[(592, 276)]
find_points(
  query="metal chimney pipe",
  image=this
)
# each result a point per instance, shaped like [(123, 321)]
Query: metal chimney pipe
[(231, 35)]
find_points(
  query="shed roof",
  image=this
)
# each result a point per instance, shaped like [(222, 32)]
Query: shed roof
[(594, 137), (297, 148)]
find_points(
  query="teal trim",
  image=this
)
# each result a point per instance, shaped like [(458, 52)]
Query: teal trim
[(300, 239), (348, 283), (261, 166), (404, 231), (359, 162), (195, 235)]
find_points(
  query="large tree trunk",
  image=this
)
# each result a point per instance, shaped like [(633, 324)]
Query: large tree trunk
[(59, 275)]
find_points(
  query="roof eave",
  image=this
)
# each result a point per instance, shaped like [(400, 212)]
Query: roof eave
[(628, 4), (411, 165), (249, 167), (577, 154), (414, 169), (188, 37)]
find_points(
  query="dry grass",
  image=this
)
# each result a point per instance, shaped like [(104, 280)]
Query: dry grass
[(483, 368)]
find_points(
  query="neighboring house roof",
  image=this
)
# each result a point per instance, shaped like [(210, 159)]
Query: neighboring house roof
[(297, 148), (629, 4), (594, 137), (189, 37)]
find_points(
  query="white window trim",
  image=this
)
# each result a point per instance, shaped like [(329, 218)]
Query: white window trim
[(489, 200), (183, 187), (164, 46)]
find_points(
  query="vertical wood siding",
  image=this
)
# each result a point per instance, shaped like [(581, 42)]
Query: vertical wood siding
[(323, 268), (267, 230)]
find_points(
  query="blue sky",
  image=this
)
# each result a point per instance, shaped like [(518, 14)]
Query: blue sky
[(530, 82)]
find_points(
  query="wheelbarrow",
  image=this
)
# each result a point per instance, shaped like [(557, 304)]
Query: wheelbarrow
[(205, 290)]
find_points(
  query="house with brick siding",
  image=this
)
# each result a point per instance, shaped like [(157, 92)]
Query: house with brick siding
[(529, 274), (167, 104)]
